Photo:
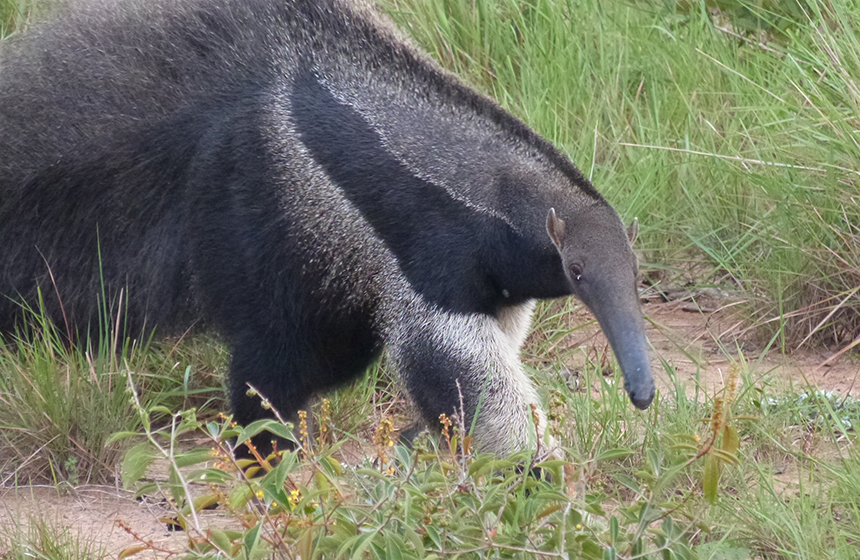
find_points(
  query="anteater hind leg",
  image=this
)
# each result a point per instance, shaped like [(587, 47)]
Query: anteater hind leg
[(277, 385), (286, 370)]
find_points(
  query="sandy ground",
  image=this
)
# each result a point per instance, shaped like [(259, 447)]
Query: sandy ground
[(702, 347), (685, 337), (90, 514)]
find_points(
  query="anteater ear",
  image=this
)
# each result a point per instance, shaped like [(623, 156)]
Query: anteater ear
[(555, 229), (633, 230)]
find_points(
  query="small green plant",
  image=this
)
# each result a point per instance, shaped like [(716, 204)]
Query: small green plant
[(433, 501)]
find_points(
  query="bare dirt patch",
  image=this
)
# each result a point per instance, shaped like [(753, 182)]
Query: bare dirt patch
[(91, 514), (700, 345), (699, 342)]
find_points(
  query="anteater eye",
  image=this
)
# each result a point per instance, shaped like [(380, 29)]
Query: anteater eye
[(576, 271)]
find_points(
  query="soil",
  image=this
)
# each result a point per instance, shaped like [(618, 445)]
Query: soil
[(91, 514), (701, 341), (698, 340)]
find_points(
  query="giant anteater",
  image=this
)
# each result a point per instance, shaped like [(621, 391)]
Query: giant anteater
[(297, 176)]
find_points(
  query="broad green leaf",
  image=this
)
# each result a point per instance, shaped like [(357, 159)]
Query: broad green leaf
[(119, 436), (333, 465), (240, 496), (174, 523), (161, 409), (372, 473), (394, 546), (210, 476), (476, 468), (306, 543), (193, 457), (221, 540), (724, 457), (415, 540), (548, 511), (612, 454), (552, 464), (711, 478), (201, 503), (252, 539), (284, 431), (362, 543), (136, 461), (500, 465), (731, 440), (434, 536)]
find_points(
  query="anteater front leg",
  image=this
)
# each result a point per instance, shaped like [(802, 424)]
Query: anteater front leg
[(445, 358)]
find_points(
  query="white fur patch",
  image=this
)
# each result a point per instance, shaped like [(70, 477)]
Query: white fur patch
[(487, 351)]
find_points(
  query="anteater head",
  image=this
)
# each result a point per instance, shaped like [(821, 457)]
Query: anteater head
[(601, 268)]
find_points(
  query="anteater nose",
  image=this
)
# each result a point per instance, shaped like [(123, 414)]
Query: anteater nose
[(642, 399)]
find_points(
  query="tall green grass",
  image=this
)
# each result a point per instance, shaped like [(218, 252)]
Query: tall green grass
[(35, 538), (61, 402), (737, 149), (15, 13)]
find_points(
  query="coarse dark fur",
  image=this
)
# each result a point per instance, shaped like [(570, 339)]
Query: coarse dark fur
[(295, 175)]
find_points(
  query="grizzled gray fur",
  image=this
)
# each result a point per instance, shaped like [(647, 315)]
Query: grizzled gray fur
[(296, 176)]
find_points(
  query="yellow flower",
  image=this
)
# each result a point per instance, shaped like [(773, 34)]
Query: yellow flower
[(295, 497)]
